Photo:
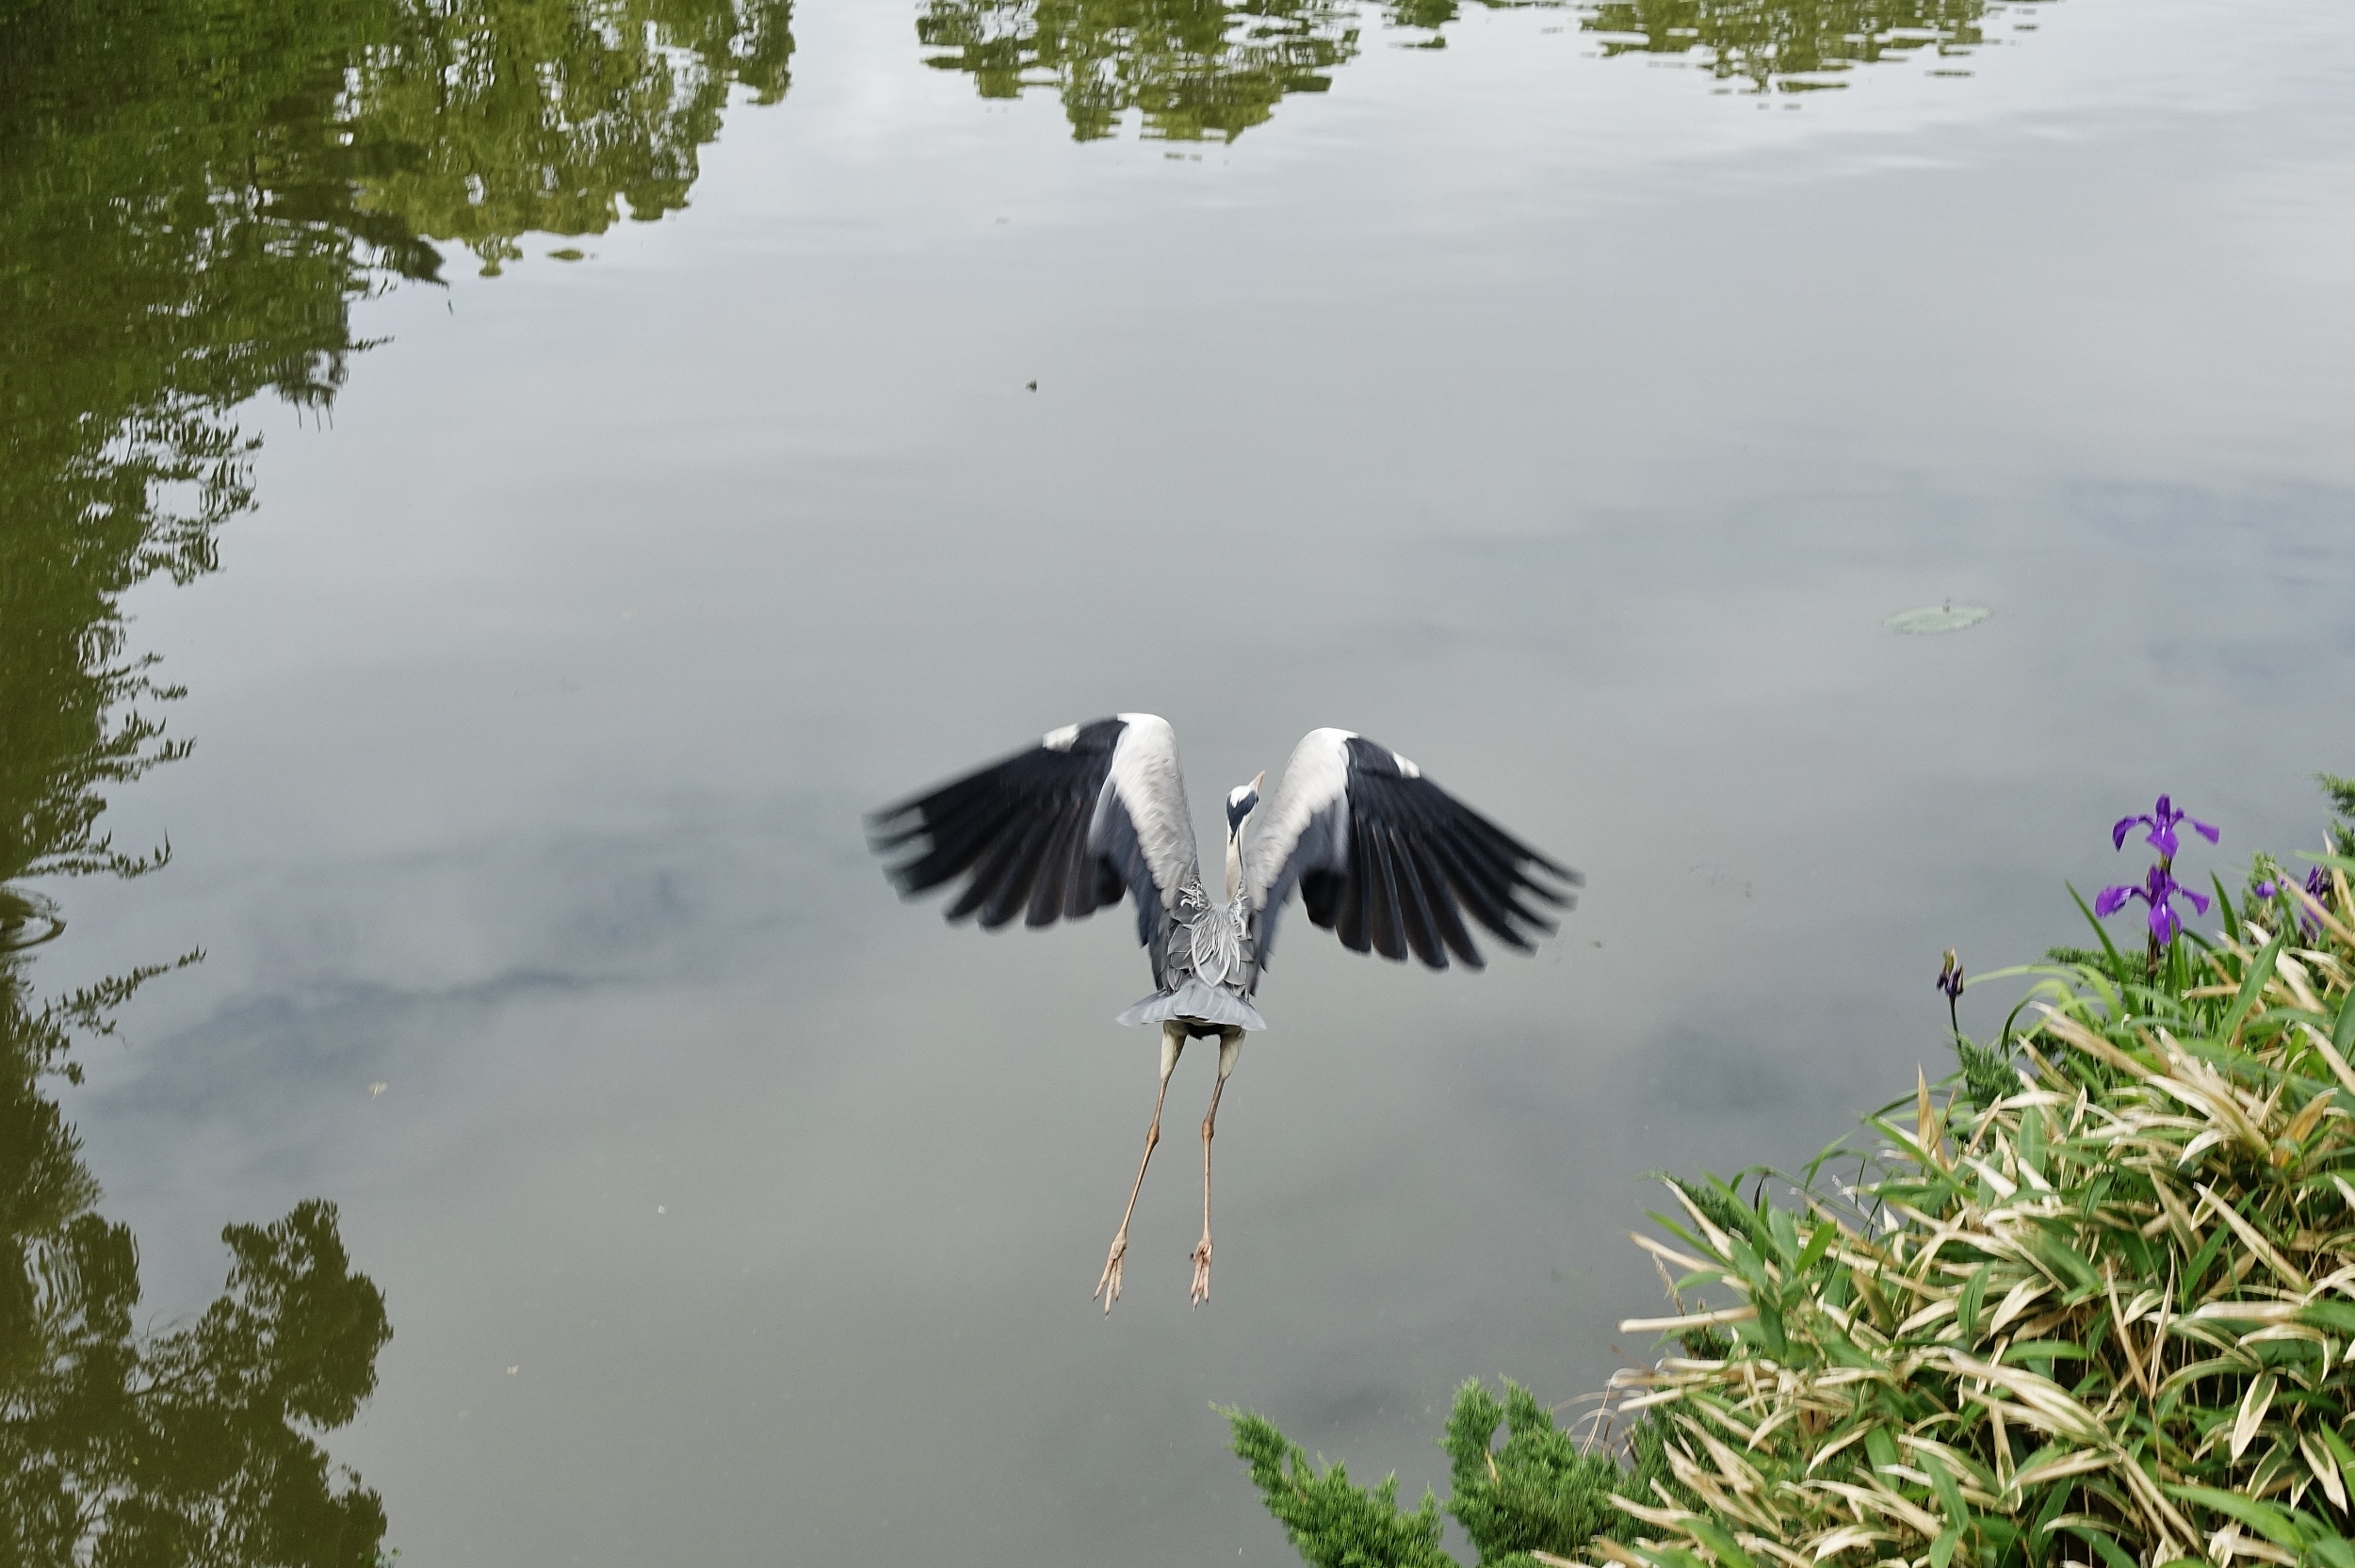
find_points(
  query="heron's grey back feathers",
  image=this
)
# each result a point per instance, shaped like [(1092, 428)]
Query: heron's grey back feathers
[(1381, 856)]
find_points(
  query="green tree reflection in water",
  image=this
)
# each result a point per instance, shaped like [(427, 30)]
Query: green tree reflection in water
[(190, 1446), (1197, 69), (192, 195), (1204, 69), (482, 119), (1791, 44)]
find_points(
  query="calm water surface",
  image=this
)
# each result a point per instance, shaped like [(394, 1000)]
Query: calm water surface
[(1564, 396)]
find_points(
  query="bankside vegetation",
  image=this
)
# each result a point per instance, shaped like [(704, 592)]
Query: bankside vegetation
[(2089, 1301)]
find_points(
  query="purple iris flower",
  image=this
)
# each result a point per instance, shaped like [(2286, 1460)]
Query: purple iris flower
[(2158, 890), (2161, 823), (1950, 983), (2317, 888), (1950, 976)]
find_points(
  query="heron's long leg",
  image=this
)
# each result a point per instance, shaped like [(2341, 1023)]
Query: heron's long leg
[(1229, 1048), (1173, 1042)]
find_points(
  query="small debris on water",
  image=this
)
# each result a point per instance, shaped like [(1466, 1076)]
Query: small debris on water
[(659, 1209), (512, 1370), (570, 254), (1933, 619), (1031, 385), (376, 1089)]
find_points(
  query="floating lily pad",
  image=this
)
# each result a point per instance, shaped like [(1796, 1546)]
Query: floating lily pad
[(1934, 618)]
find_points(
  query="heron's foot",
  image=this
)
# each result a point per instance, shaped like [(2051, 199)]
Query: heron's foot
[(1202, 1270), (1108, 1286)]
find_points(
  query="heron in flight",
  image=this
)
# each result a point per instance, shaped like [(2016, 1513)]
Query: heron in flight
[(1381, 856)]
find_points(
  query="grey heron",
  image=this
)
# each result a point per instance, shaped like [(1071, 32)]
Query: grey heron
[(1382, 857)]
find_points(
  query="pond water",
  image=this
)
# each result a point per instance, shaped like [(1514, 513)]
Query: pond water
[(682, 428)]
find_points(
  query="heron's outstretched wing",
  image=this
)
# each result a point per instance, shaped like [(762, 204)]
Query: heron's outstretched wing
[(1388, 861), (1056, 831)]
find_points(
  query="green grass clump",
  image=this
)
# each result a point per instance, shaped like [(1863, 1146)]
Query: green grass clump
[(2103, 1318), (2092, 1303)]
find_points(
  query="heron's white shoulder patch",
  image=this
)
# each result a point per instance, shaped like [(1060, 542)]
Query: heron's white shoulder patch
[(1146, 778), (1315, 784), (1061, 739), (1405, 766), (1319, 769)]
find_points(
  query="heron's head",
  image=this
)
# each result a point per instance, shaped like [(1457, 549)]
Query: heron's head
[(1240, 800)]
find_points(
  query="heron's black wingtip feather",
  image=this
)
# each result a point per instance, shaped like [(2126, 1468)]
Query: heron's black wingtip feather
[(1560, 872)]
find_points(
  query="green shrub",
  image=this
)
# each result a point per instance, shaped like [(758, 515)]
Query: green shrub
[(1334, 1524), (1542, 1491)]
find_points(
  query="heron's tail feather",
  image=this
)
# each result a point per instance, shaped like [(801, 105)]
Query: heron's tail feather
[(1195, 1000)]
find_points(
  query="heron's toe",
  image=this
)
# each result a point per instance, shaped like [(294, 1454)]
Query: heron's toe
[(1107, 1287)]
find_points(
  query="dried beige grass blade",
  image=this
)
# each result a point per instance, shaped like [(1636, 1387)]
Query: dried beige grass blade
[(1848, 1538), (2293, 975), (1717, 1239), (1666, 1253), (2083, 1461), (2326, 1470), (2337, 1063), (1602, 1545), (2257, 1243), (2253, 1405), (2017, 1301), (2076, 1034), (2119, 1325), (1696, 1320)]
